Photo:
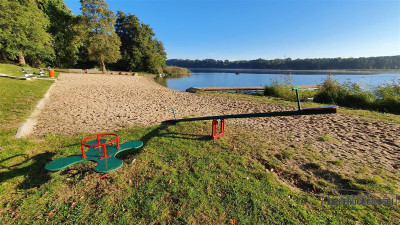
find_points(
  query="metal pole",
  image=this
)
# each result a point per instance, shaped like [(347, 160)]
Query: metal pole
[(298, 99)]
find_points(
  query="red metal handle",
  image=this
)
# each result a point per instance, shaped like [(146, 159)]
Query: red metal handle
[(83, 144)]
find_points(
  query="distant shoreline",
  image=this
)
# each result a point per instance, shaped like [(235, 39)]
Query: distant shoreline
[(286, 72)]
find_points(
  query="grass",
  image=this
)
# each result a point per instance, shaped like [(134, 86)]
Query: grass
[(15, 70), (178, 176), (386, 97), (337, 162), (326, 137), (174, 70), (282, 88), (368, 115), (17, 98)]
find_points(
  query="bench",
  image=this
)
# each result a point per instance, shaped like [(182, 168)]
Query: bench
[(75, 70), (41, 72), (93, 71), (28, 73)]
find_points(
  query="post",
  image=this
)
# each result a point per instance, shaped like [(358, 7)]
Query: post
[(173, 111), (297, 96), (214, 134)]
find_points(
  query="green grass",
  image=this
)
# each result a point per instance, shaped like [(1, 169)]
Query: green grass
[(17, 99), (365, 114), (325, 138), (15, 70), (386, 98), (337, 162), (174, 70), (178, 176)]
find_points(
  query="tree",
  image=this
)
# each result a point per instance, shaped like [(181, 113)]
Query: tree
[(65, 29), (381, 62), (102, 41), (23, 32), (140, 52)]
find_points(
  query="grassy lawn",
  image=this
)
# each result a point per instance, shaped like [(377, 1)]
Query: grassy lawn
[(365, 114), (178, 176), (15, 70)]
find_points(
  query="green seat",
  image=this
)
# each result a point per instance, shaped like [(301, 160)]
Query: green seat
[(106, 165)]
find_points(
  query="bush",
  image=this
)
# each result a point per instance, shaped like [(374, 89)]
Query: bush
[(282, 88), (174, 70), (386, 98), (330, 92)]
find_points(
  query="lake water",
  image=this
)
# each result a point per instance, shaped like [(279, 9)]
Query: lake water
[(223, 79)]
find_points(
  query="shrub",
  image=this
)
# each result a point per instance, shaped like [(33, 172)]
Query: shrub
[(174, 70), (282, 88), (386, 98), (330, 92)]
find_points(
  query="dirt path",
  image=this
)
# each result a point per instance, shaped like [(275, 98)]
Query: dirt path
[(103, 103)]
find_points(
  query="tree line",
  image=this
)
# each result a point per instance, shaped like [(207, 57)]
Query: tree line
[(381, 62), (46, 32)]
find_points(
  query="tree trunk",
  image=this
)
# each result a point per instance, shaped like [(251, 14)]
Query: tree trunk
[(103, 66), (21, 58)]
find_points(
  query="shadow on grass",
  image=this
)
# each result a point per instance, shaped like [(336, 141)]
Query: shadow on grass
[(34, 174), (187, 136), (333, 177)]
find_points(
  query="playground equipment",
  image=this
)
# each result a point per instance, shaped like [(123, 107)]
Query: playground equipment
[(100, 150), (221, 119)]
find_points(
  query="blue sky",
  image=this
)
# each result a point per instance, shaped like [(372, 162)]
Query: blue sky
[(251, 29)]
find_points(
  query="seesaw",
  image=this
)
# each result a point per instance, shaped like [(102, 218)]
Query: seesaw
[(101, 151), (221, 119)]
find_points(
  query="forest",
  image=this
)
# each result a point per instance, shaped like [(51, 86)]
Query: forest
[(382, 62), (47, 33)]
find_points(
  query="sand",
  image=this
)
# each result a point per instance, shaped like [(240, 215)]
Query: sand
[(105, 103)]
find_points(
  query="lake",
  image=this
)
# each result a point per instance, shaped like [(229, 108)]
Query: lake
[(230, 79)]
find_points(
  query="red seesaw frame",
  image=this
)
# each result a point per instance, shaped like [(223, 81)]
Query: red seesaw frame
[(214, 134), (99, 144)]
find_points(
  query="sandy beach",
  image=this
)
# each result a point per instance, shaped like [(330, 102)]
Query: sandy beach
[(106, 103)]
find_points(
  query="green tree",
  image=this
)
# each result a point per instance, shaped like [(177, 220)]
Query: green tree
[(102, 41), (23, 32), (140, 52), (65, 29)]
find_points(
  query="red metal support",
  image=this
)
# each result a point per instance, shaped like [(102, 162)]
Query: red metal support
[(83, 145), (214, 129), (104, 175), (83, 152), (105, 152)]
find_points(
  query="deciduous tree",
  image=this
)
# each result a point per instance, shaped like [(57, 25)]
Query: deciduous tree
[(140, 52), (23, 32), (65, 29), (103, 42)]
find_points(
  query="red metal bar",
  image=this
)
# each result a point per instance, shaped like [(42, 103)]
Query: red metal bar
[(105, 152), (97, 136), (118, 143), (83, 152), (104, 176), (214, 129)]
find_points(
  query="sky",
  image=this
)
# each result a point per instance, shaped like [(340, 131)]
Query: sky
[(268, 29)]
